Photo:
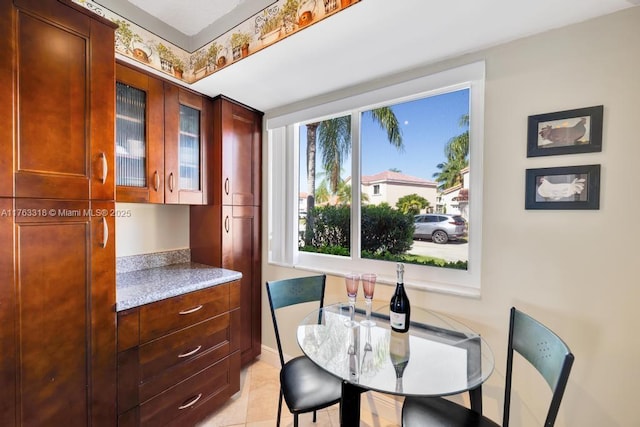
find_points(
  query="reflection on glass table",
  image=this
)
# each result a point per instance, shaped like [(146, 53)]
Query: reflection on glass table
[(437, 357)]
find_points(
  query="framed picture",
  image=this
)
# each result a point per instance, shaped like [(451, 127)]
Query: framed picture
[(565, 132), (570, 187)]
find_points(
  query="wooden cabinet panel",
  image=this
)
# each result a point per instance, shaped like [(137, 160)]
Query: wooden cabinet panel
[(185, 145), (166, 352), (237, 141), (170, 407), (68, 92), (161, 150), (7, 316), (188, 360), (241, 249), (131, 153), (63, 294), (172, 314)]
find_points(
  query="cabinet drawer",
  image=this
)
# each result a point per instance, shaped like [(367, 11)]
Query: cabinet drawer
[(170, 407), (178, 347), (176, 313)]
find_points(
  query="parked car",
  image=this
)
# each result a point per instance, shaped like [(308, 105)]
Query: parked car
[(440, 228)]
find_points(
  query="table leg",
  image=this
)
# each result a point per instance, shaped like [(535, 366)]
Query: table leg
[(475, 396), (350, 404)]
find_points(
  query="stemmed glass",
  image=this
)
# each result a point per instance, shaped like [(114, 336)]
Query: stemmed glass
[(352, 281), (368, 285)]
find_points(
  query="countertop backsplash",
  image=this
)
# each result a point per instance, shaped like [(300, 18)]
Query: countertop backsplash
[(126, 264)]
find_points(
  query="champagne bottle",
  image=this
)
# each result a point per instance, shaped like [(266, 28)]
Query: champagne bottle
[(400, 309)]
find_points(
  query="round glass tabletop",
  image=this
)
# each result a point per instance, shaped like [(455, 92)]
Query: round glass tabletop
[(438, 356)]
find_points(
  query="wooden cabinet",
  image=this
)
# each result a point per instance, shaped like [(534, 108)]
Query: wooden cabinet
[(58, 312), (178, 359), (161, 139), (237, 150), (57, 276), (53, 140), (187, 128), (228, 233), (139, 136)]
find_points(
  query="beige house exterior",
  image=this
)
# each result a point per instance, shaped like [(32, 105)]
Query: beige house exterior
[(390, 186), (455, 200)]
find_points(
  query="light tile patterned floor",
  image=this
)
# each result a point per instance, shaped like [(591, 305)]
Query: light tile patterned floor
[(256, 405)]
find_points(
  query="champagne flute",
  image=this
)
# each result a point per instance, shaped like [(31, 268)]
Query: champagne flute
[(368, 285), (352, 281)]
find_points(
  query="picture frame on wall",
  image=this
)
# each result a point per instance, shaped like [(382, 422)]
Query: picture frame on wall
[(569, 187), (565, 132)]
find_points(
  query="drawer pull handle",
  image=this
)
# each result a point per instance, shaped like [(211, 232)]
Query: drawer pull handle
[(156, 180), (226, 186), (191, 310), (191, 403), (192, 352), (171, 182)]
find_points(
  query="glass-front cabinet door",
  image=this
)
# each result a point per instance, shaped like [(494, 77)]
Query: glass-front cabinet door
[(139, 137), (189, 149), (186, 118)]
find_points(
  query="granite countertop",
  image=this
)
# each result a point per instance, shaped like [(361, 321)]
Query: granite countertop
[(139, 287)]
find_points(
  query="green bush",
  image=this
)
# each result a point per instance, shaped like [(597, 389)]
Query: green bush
[(384, 229)]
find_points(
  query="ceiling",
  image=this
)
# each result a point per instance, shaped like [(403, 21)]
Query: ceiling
[(367, 41)]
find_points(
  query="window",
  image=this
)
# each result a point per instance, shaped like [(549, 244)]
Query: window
[(363, 168)]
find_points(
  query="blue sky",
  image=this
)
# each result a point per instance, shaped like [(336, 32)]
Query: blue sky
[(427, 125)]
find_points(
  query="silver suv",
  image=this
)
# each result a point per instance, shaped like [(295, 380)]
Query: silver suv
[(440, 228)]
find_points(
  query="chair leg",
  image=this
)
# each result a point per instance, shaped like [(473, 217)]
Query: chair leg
[(314, 416), (295, 420), (279, 408)]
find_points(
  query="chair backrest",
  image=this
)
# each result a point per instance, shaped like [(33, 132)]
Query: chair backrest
[(288, 292), (548, 354)]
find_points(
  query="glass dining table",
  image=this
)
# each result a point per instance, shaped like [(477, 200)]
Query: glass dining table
[(438, 356)]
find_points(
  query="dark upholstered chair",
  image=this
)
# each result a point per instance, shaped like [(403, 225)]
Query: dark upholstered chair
[(532, 340), (304, 385)]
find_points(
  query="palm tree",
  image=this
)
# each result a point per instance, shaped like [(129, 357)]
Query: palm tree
[(335, 143), (457, 154)]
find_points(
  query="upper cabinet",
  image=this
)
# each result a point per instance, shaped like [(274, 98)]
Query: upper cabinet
[(187, 122), (62, 145), (139, 137), (161, 134), (237, 142)]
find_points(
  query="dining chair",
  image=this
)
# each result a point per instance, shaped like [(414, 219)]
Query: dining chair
[(304, 386), (540, 346)]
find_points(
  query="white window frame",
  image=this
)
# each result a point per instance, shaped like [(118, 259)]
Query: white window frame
[(283, 167)]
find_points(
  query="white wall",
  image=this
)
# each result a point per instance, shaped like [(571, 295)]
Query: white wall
[(144, 228), (573, 270)]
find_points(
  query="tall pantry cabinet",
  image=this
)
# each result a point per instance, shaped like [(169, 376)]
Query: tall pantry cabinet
[(227, 232), (57, 258)]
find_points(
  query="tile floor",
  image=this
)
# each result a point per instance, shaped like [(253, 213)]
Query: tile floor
[(256, 405)]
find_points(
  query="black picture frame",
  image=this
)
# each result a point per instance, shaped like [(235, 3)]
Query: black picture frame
[(569, 187), (565, 132)]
